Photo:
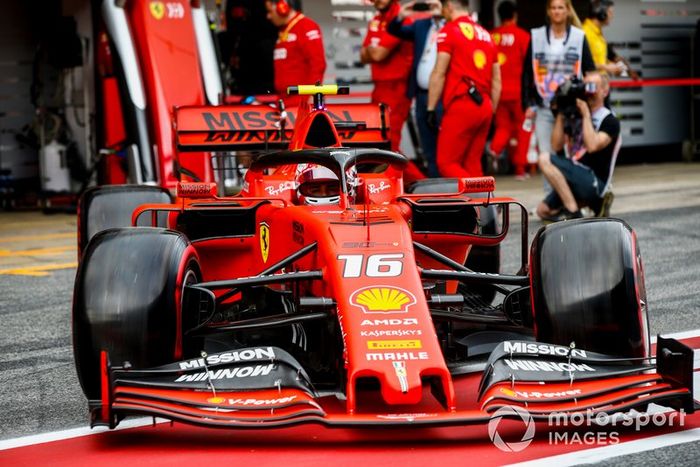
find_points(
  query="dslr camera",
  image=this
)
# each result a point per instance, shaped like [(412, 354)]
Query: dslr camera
[(565, 97)]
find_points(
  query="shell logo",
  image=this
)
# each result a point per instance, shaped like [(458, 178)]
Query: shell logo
[(479, 59), (502, 58), (383, 299)]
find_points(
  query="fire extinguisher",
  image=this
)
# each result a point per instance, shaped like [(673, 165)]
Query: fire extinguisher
[(53, 165)]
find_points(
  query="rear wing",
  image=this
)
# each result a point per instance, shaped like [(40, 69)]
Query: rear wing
[(259, 127)]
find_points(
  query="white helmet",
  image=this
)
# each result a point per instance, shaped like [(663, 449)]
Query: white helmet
[(318, 185)]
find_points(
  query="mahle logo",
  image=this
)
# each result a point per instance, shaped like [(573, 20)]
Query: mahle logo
[(513, 413)]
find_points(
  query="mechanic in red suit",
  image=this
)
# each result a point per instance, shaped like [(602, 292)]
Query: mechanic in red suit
[(390, 59), (299, 57), (511, 45), (468, 77)]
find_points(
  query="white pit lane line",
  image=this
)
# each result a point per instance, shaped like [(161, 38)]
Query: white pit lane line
[(589, 456), (679, 335), (566, 459), (75, 433)]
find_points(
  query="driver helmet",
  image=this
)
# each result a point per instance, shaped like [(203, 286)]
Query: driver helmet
[(318, 185)]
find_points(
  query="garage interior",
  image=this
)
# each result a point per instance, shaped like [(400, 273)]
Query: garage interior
[(57, 138)]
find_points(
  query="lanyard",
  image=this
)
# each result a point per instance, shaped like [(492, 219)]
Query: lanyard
[(284, 34), (431, 40)]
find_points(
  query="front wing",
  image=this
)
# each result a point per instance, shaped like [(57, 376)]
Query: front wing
[(267, 388)]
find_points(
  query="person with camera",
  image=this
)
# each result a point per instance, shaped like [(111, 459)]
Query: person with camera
[(423, 33), (588, 133), (468, 78), (557, 51)]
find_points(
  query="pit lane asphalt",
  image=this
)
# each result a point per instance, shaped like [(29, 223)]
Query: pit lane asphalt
[(39, 391)]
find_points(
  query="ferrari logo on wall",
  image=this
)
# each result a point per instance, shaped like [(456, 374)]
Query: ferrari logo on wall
[(157, 9), (384, 299), (264, 241)]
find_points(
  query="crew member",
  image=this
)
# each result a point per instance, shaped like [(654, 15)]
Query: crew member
[(511, 43), (583, 178), (468, 78), (601, 14), (390, 60), (299, 57), (423, 33)]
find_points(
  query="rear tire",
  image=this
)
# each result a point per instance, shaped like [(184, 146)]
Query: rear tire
[(128, 300), (588, 287), (110, 206)]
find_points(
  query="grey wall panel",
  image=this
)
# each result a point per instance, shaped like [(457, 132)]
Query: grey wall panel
[(656, 38)]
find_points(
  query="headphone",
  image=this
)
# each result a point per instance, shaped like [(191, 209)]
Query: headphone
[(282, 8), (599, 9)]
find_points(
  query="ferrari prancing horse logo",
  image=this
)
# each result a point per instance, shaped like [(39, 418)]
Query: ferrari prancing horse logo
[(264, 241), (157, 9)]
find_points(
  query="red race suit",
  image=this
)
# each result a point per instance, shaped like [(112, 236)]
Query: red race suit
[(465, 124), (511, 45), (390, 76), (299, 56)]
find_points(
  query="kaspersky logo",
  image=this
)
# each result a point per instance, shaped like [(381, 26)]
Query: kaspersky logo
[(383, 299)]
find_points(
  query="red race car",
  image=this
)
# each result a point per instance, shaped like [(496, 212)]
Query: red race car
[(326, 292)]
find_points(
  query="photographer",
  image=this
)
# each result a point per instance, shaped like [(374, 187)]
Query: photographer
[(590, 136)]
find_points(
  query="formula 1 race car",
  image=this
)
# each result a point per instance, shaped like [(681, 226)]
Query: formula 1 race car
[(326, 292)]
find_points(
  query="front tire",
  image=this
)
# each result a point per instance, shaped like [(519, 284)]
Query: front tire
[(128, 300), (588, 287)]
